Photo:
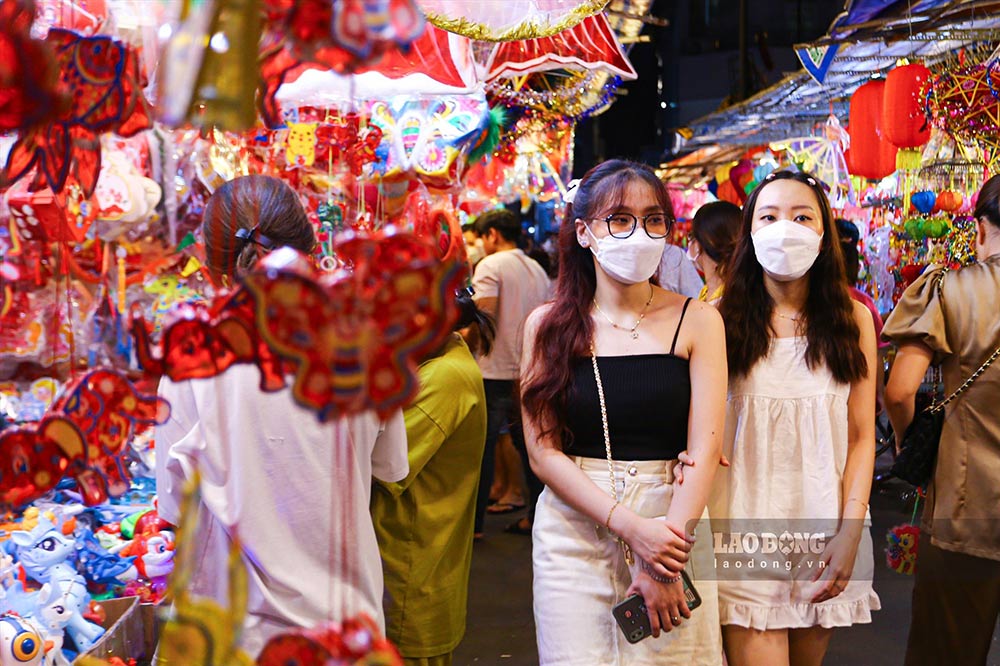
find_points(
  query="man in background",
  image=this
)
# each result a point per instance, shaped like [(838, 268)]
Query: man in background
[(508, 285)]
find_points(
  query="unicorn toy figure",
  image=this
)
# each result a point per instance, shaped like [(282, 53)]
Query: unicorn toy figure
[(45, 554), (53, 616)]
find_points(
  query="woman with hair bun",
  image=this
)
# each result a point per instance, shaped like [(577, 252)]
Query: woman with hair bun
[(294, 492)]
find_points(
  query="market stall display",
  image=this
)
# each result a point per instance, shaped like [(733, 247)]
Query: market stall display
[(121, 119)]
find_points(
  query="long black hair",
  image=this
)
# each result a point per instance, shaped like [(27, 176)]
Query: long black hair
[(470, 315), (830, 326)]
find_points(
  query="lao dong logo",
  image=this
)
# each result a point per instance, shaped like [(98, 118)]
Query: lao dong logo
[(768, 543)]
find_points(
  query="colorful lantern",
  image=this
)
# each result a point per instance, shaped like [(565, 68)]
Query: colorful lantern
[(903, 122), (924, 201), (871, 155), (949, 201)]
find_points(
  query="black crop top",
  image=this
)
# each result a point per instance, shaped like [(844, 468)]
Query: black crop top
[(648, 397)]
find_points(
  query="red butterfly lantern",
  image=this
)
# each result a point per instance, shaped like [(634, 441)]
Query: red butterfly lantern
[(206, 340), (352, 339)]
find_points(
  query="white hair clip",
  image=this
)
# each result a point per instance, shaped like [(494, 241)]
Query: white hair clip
[(812, 181), (571, 188)]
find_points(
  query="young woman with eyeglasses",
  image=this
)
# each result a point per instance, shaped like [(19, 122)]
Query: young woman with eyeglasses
[(800, 434), (618, 377)]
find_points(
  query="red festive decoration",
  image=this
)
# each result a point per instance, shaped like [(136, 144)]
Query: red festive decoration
[(431, 54), (34, 458), (109, 411), (354, 338), (206, 340), (910, 273), (82, 436), (903, 122), (102, 77), (949, 201), (28, 73), (590, 45), (355, 641), (871, 156), (965, 102), (49, 217), (351, 338)]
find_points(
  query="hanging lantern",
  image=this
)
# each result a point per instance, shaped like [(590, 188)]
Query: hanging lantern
[(872, 156), (949, 201), (924, 201), (903, 121)]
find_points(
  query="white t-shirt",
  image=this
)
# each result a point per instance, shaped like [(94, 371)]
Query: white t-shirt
[(520, 285), (295, 491)]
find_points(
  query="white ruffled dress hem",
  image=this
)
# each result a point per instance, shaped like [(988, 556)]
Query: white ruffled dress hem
[(800, 616)]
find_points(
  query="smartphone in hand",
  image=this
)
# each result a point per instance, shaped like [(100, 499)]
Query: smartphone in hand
[(633, 617)]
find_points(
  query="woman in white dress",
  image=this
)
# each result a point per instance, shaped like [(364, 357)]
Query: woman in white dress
[(800, 434)]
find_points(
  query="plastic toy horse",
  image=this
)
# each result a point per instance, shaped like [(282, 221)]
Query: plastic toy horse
[(46, 556)]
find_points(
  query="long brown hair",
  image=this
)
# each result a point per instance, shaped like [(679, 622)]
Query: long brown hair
[(264, 203), (831, 329), (566, 330)]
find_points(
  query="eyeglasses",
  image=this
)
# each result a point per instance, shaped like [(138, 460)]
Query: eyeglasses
[(622, 225)]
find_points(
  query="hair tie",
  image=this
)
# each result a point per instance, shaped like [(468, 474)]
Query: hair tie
[(572, 187), (253, 236)]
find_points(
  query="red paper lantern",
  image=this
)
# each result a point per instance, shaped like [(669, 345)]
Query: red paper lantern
[(903, 121), (872, 156)]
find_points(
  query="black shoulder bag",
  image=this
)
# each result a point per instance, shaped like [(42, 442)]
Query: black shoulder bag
[(919, 446)]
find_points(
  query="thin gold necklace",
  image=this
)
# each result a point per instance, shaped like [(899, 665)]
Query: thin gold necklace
[(783, 316), (642, 315)]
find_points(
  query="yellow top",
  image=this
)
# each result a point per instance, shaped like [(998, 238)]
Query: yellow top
[(424, 523), (704, 298)]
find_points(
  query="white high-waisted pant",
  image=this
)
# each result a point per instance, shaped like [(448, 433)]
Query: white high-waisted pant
[(580, 574)]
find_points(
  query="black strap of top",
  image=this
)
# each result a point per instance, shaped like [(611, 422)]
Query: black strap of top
[(679, 322)]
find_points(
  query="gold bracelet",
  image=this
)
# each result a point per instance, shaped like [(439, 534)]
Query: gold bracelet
[(607, 523)]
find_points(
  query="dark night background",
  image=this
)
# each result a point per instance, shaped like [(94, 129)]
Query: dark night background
[(693, 65)]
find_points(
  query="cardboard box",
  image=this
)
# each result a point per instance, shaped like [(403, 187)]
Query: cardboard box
[(150, 628), (124, 636)]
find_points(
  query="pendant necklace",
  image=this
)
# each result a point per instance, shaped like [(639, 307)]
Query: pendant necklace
[(642, 315)]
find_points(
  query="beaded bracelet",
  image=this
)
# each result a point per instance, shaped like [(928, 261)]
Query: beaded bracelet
[(648, 568)]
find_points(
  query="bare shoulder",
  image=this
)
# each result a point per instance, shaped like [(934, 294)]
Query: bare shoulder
[(705, 317), (537, 315), (861, 313)]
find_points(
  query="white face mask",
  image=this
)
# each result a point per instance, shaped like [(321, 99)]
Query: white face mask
[(475, 252), (785, 249), (693, 258), (628, 260)]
